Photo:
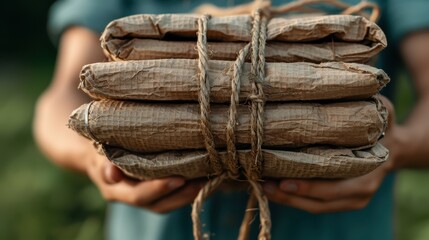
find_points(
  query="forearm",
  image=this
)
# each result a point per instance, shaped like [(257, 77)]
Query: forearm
[(63, 146), (410, 147), (410, 144), (59, 143)]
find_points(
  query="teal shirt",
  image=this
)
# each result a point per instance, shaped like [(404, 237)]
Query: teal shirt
[(223, 212)]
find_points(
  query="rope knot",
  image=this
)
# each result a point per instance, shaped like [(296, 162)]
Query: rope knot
[(232, 166)]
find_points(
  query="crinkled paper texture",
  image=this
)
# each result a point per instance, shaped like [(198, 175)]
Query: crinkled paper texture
[(145, 49), (345, 28), (315, 162), (177, 79), (144, 127), (310, 39)]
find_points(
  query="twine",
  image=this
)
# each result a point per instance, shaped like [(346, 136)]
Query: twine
[(253, 173), (248, 218), (232, 163), (231, 169), (204, 100), (204, 95)]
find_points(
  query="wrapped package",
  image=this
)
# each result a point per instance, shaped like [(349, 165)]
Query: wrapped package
[(345, 28), (176, 79), (146, 49), (313, 162), (311, 39), (144, 127)]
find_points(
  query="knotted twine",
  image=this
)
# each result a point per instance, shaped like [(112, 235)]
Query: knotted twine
[(259, 34), (257, 101)]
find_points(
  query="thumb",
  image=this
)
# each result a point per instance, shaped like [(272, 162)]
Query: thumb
[(112, 174)]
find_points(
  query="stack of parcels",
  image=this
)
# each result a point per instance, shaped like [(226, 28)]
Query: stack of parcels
[(320, 119)]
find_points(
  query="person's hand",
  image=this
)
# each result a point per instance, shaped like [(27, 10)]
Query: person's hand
[(323, 196), (161, 195)]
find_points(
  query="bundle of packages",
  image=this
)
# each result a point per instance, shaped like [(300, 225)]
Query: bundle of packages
[(144, 127), (175, 80), (195, 96)]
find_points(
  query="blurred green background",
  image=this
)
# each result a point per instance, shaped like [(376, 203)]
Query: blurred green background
[(37, 199), (40, 201)]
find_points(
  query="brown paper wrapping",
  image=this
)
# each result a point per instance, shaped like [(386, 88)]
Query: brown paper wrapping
[(344, 28), (176, 79), (315, 162), (143, 127), (301, 140), (145, 49)]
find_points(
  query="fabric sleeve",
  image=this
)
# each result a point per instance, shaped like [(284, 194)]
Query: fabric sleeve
[(406, 16), (92, 14)]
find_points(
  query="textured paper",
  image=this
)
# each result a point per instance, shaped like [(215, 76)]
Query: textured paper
[(301, 139), (143, 49), (176, 79), (315, 162), (346, 28), (144, 127)]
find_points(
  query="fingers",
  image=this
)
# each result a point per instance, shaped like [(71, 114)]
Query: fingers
[(325, 190), (141, 193), (159, 195), (182, 197), (321, 196), (312, 205), (329, 190), (115, 186)]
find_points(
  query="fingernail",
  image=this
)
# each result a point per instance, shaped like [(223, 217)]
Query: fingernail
[(289, 186), (269, 188), (176, 183)]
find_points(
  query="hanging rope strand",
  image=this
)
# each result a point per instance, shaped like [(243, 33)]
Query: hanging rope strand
[(197, 206)]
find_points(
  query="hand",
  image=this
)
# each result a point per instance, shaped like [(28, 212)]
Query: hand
[(323, 196), (161, 195)]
